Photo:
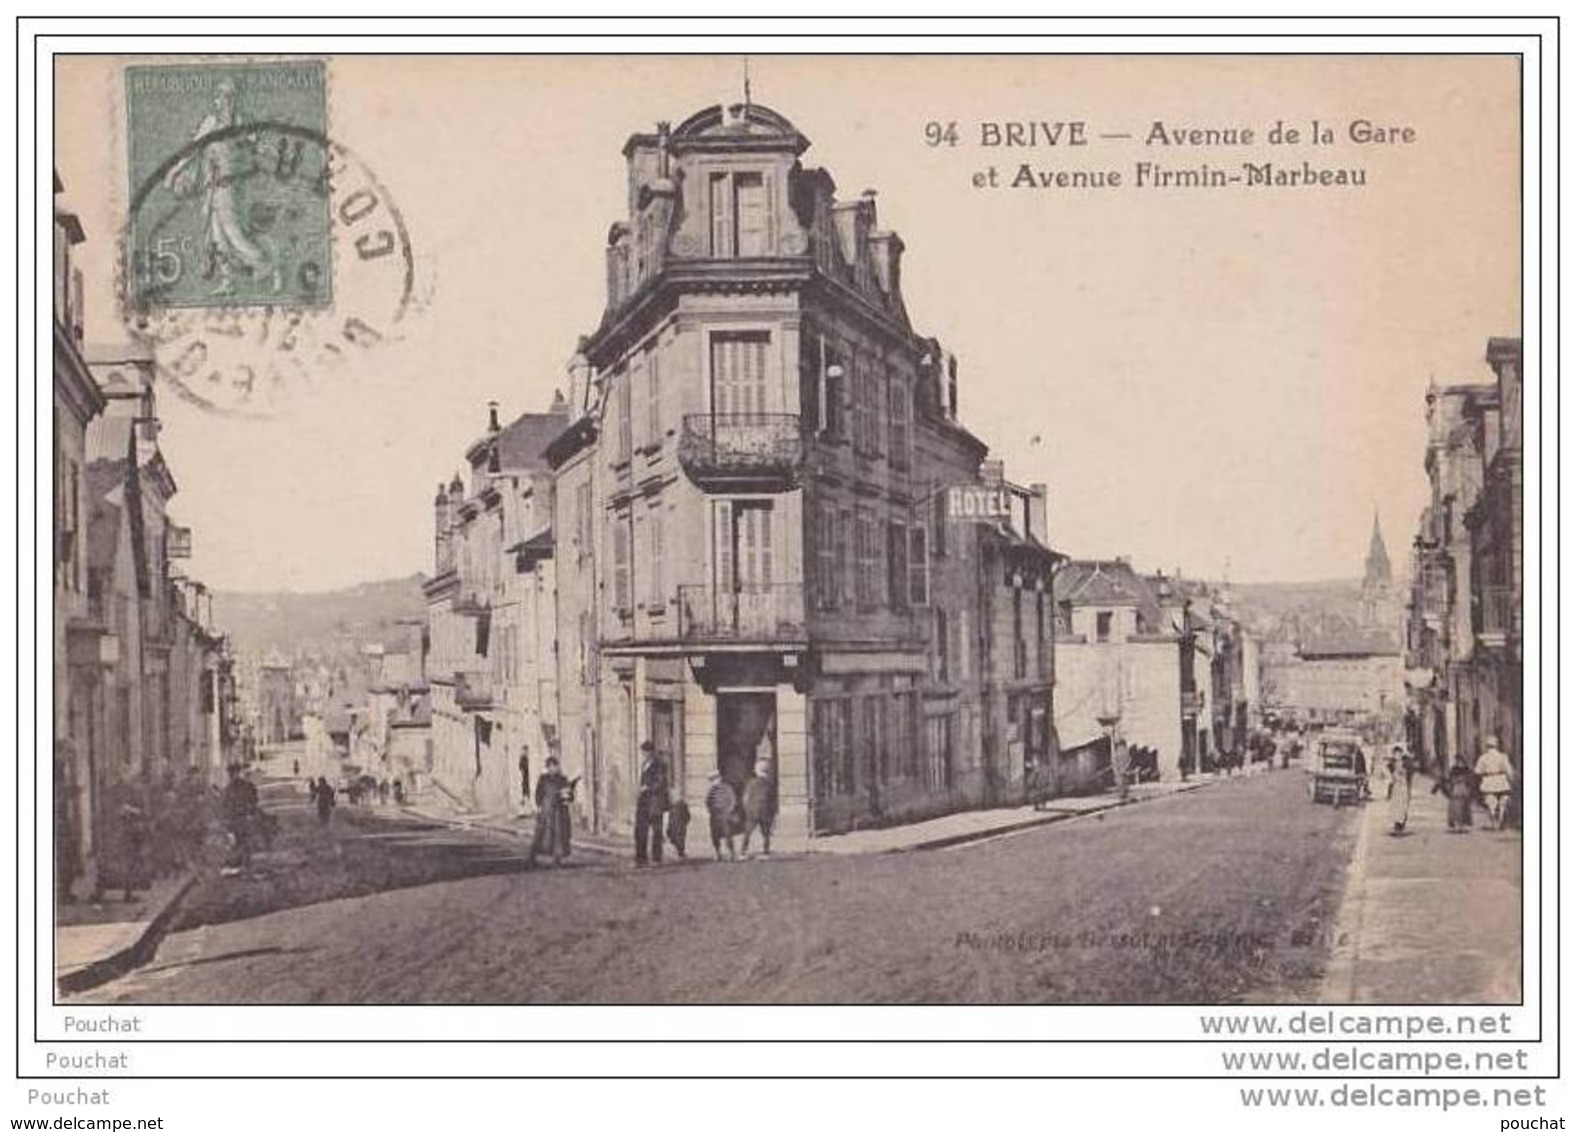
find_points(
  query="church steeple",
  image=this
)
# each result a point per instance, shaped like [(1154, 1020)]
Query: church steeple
[(1377, 572)]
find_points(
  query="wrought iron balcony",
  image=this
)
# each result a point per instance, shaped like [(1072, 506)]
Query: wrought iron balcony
[(733, 450), (473, 691), (756, 614)]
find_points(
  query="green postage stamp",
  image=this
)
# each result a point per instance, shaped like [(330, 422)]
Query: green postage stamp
[(229, 185)]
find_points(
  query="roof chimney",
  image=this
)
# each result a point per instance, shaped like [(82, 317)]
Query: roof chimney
[(492, 416)]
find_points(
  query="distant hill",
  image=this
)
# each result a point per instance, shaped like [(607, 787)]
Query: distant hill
[(1336, 597), (1307, 609), (321, 622)]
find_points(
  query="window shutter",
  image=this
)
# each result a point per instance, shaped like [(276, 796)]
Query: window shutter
[(750, 201), (722, 534), (918, 567), (897, 563), (654, 401), (621, 597), (657, 597), (721, 217)]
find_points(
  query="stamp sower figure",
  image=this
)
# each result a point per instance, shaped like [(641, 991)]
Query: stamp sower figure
[(760, 806), (721, 802), (554, 793), (1494, 770), (650, 804), (215, 168)]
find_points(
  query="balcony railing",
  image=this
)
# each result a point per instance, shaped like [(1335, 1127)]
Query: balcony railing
[(762, 614), (732, 449), (1495, 612), (473, 691)]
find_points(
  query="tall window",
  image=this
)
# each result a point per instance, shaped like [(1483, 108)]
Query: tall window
[(904, 740), (655, 597), (742, 534), (621, 399), (867, 554), (623, 600), (898, 420), (740, 215), (738, 373), (845, 558), (897, 563), (873, 738), (867, 411), (1020, 647), (583, 519), (1102, 626), (836, 749), (1041, 653), (828, 572), (918, 566), (941, 644), (653, 400)]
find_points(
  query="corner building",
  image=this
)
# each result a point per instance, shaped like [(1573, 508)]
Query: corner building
[(755, 555)]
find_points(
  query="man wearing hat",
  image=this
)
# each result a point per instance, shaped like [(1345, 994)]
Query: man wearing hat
[(650, 804)]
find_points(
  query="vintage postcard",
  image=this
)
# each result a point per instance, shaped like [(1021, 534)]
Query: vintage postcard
[(709, 529)]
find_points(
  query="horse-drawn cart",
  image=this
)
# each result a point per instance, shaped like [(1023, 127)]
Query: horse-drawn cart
[(1337, 774)]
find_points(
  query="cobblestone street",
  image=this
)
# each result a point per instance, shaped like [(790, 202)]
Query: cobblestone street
[(1221, 895)]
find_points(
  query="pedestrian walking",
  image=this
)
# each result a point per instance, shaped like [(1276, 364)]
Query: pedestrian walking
[(323, 797), (678, 826), (651, 803), (554, 793), (399, 792), (383, 792), (760, 806), (721, 802), (1494, 773), (241, 810), (525, 774), (1398, 792), (1459, 785)]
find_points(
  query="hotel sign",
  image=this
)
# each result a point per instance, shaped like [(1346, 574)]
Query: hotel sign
[(973, 503)]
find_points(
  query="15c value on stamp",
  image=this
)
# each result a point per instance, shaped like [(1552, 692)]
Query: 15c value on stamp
[(229, 197)]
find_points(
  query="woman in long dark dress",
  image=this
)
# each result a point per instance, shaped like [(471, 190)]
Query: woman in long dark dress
[(1459, 786), (554, 793)]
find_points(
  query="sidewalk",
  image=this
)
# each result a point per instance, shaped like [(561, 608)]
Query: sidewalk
[(975, 825), (936, 833), (95, 943), (1431, 916)]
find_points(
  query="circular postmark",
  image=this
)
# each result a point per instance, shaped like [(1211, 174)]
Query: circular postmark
[(261, 259)]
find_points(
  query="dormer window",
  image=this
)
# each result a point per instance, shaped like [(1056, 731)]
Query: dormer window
[(739, 215)]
